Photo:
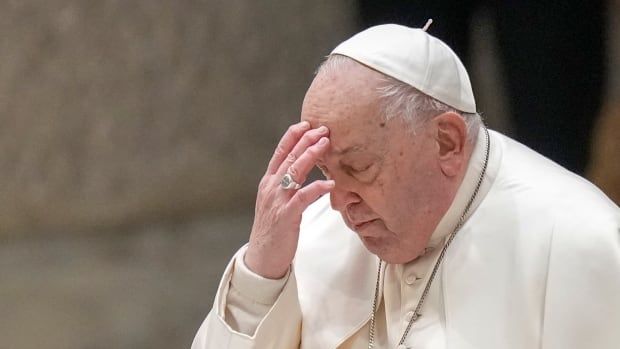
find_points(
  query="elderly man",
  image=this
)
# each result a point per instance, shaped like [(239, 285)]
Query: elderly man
[(429, 231)]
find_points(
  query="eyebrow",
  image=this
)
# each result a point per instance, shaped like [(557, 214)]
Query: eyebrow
[(342, 152), (350, 149)]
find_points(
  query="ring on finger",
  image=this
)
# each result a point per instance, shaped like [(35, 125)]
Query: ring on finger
[(288, 182)]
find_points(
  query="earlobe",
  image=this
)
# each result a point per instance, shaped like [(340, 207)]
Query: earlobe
[(451, 137)]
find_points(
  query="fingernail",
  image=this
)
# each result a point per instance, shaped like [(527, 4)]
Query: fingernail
[(323, 129), (305, 125), (331, 183), (323, 141)]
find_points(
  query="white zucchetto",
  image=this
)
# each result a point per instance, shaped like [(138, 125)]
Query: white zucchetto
[(413, 56)]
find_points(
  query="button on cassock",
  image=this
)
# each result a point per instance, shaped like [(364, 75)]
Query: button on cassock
[(409, 316), (410, 279)]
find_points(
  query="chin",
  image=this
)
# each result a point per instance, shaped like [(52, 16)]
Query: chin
[(391, 259), (386, 251)]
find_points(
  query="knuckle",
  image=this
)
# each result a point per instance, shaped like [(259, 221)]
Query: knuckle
[(291, 158), (302, 196), (279, 150), (262, 184), (293, 171)]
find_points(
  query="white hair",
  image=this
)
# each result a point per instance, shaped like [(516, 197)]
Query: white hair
[(399, 99)]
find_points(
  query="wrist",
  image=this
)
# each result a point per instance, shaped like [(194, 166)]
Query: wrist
[(264, 267)]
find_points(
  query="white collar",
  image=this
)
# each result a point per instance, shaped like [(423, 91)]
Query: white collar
[(468, 185)]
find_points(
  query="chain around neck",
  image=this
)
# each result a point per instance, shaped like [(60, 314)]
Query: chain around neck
[(417, 312)]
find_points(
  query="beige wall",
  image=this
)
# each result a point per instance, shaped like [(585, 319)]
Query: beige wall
[(121, 112), (132, 136)]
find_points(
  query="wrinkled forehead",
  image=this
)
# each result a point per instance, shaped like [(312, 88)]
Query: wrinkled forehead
[(351, 111), (346, 94)]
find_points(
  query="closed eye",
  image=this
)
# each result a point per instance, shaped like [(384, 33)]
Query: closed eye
[(361, 169), (354, 169)]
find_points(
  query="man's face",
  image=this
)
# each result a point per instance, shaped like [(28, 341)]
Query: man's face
[(389, 185)]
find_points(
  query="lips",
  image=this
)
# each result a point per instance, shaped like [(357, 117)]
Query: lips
[(360, 226), (358, 217)]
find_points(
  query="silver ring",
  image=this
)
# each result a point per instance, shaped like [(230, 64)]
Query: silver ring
[(288, 182)]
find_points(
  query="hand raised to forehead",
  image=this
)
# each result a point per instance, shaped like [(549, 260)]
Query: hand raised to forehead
[(277, 216)]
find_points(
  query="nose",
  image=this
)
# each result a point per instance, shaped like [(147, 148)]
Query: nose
[(341, 197)]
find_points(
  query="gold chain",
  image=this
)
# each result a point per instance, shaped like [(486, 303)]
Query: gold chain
[(417, 314)]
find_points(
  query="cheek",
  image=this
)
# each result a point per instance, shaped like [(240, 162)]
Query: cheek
[(390, 200), (406, 190)]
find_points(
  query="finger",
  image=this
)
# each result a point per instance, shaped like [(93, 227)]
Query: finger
[(303, 165), (309, 194), (286, 144), (309, 138)]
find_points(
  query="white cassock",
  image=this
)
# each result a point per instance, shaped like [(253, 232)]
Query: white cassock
[(536, 265)]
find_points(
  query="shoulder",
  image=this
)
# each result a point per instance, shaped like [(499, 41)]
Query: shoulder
[(534, 189)]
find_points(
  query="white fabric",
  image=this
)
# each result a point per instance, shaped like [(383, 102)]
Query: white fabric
[(216, 332), (250, 296), (537, 265), (413, 56)]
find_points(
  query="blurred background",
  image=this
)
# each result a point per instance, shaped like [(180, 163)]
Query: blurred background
[(133, 135)]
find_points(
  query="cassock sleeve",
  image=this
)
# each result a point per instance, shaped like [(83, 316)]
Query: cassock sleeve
[(251, 312), (582, 303), (250, 297)]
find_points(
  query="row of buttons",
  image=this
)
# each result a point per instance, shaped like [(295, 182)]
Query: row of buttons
[(411, 279)]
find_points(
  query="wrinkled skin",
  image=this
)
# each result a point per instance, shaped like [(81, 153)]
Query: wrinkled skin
[(390, 186)]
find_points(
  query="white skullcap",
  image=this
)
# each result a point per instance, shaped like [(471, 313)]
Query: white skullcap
[(414, 57)]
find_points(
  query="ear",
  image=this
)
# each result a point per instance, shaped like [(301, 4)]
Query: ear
[(451, 138)]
